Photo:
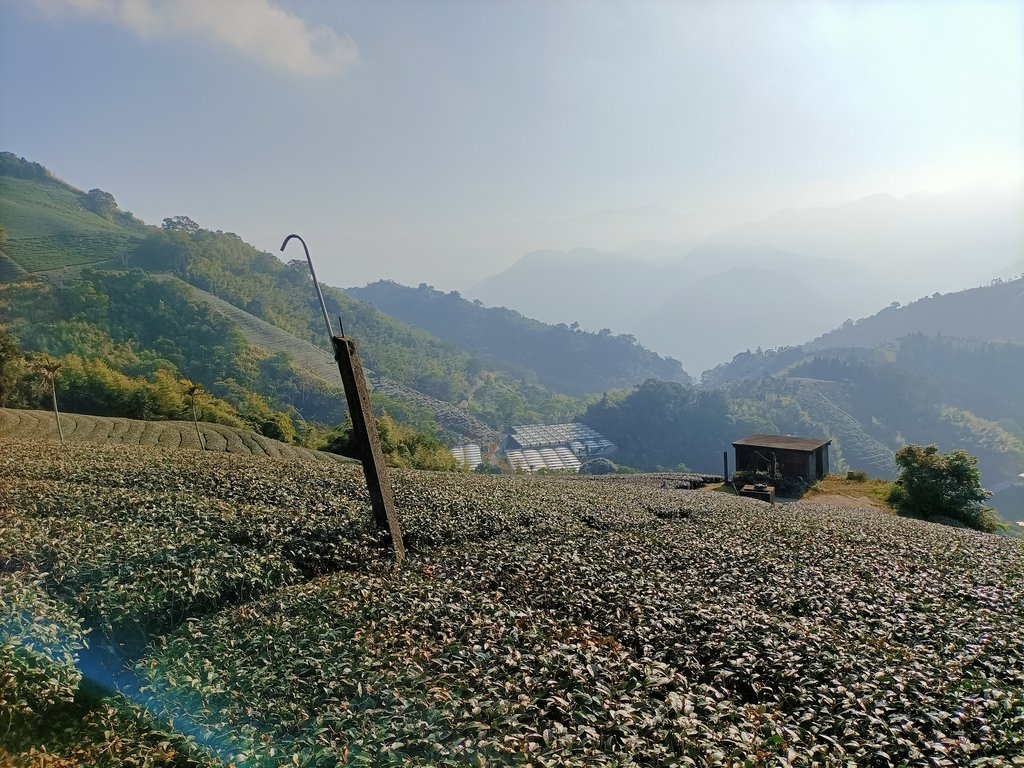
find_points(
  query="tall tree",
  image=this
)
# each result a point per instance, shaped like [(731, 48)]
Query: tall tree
[(99, 202), (48, 368), (193, 390), (180, 224)]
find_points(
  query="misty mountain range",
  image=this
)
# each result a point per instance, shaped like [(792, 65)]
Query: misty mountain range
[(780, 281)]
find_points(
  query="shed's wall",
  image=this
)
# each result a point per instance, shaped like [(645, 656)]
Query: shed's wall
[(791, 463)]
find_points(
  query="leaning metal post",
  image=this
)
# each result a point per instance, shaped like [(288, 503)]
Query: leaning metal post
[(378, 482), (316, 283)]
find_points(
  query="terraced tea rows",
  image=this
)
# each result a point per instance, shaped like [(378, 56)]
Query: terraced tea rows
[(42, 425), (538, 621), (860, 450), (41, 254), (47, 228)]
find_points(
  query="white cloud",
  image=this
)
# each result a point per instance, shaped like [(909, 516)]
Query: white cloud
[(257, 28)]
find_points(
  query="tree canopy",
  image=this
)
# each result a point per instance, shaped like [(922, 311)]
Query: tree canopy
[(99, 202), (665, 425)]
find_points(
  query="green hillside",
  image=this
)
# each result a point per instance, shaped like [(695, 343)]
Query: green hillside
[(993, 312), (33, 426), (267, 321), (872, 402), (924, 387), (49, 228), (223, 265), (854, 447), (321, 363), (563, 358), (242, 611)]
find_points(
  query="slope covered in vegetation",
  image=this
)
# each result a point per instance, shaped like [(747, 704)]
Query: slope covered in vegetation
[(563, 358), (411, 405), (953, 391), (51, 225), (67, 228), (537, 621), (992, 312)]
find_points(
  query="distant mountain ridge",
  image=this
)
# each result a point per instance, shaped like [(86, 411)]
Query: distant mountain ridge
[(829, 264), (710, 303), (989, 314)]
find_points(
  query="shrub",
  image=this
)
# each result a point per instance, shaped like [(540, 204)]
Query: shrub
[(935, 485), (598, 467), (857, 476), (402, 446)]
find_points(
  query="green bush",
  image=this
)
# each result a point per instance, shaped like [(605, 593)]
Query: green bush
[(897, 494), (857, 476), (598, 467), (935, 485), (401, 445)]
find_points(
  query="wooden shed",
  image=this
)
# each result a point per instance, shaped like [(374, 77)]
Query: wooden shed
[(804, 457)]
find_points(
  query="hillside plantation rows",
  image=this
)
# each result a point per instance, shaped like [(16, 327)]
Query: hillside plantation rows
[(537, 621)]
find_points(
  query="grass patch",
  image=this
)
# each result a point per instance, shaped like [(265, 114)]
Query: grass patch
[(871, 489)]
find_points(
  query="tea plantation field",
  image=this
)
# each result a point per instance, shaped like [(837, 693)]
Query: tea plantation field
[(28, 425), (47, 229), (558, 621)]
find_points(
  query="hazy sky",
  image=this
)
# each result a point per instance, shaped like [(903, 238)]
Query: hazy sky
[(362, 123)]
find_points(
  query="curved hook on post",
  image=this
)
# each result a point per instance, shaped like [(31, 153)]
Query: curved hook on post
[(316, 283)]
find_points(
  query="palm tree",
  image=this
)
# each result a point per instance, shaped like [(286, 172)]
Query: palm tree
[(192, 390), (48, 368)]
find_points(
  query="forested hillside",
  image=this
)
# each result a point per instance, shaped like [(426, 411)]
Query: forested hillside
[(561, 357), (662, 425), (122, 340)]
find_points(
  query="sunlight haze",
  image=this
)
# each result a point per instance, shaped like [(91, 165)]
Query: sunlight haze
[(442, 141)]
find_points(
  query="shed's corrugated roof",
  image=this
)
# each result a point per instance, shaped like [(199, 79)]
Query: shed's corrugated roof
[(783, 442)]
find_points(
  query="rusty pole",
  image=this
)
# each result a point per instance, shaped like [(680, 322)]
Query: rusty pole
[(364, 426)]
